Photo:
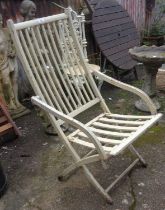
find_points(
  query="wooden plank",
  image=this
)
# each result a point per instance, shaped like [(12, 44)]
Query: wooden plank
[(113, 127), (122, 60), (124, 46), (101, 139), (5, 128), (125, 122), (119, 148), (39, 21), (109, 133), (114, 29), (119, 47), (137, 117), (128, 65), (87, 144), (116, 42), (6, 113), (107, 4), (100, 19), (111, 23), (107, 11), (119, 35), (119, 55)]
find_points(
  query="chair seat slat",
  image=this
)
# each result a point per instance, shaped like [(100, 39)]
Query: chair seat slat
[(135, 135), (88, 144), (118, 116), (115, 127), (126, 122), (101, 139), (109, 133)]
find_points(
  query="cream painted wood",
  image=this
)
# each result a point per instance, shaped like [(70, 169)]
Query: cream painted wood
[(130, 88), (54, 62)]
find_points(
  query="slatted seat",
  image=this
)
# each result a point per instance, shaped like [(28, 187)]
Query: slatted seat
[(64, 86), (113, 131)]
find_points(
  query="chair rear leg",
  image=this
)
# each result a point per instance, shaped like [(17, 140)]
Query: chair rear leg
[(133, 150), (98, 187)]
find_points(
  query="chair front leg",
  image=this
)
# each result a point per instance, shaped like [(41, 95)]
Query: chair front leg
[(95, 183), (134, 151)]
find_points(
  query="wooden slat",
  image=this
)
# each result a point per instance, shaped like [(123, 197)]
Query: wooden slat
[(106, 4), (114, 29), (5, 128), (86, 90), (119, 55), (117, 48), (44, 60), (109, 133), (117, 42), (126, 122), (129, 116), (128, 65), (101, 139), (39, 21), (99, 19), (111, 23), (113, 127), (107, 11), (63, 60), (90, 145), (28, 52), (119, 148), (53, 78), (87, 124), (118, 35), (123, 60)]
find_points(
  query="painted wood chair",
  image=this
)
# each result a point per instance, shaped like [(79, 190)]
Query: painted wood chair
[(40, 49)]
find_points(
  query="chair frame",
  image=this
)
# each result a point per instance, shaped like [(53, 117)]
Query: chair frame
[(57, 117)]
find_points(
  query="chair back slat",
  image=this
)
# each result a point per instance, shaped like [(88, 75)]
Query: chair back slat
[(50, 55), (77, 62)]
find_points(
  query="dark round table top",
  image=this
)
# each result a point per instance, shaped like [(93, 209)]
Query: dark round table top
[(91, 4), (115, 33)]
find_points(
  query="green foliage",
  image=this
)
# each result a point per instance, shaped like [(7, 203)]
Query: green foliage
[(157, 27)]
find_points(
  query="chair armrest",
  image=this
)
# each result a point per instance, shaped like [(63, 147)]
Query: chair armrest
[(69, 120), (129, 88)]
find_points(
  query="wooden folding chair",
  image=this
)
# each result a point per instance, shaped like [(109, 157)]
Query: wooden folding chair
[(64, 85)]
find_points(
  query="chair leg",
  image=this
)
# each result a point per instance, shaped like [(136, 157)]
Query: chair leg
[(89, 176), (100, 83), (123, 174), (135, 73), (70, 169), (133, 150), (95, 183)]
